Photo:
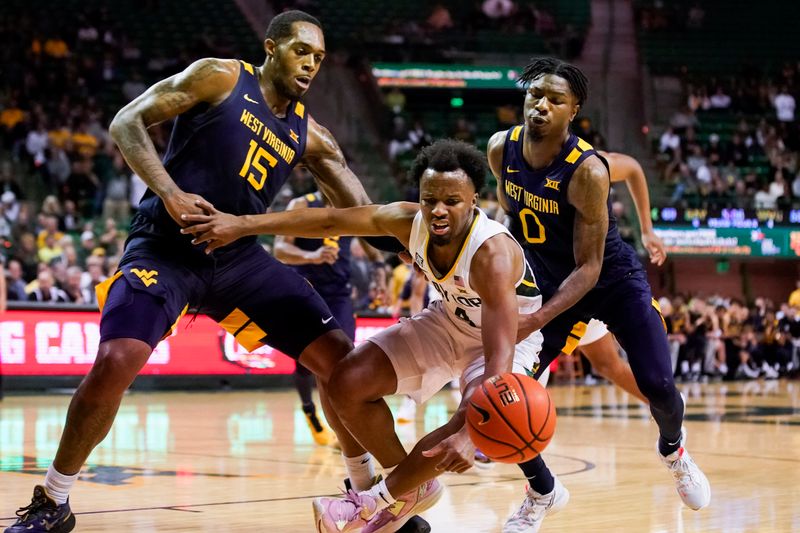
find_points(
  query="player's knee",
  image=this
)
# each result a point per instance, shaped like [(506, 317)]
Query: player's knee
[(353, 383), (112, 372), (661, 394), (323, 355), (346, 386)]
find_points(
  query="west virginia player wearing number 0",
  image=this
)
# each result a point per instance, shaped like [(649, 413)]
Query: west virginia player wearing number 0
[(557, 186), (239, 130)]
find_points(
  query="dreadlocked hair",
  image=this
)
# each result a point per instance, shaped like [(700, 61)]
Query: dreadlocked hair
[(577, 81)]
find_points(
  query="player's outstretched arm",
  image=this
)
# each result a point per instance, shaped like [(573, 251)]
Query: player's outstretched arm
[(204, 81), (326, 162), (496, 267), (588, 194), (218, 229), (287, 252), (625, 168), (494, 153)]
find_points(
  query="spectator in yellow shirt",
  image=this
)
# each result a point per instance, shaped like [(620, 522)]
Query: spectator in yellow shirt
[(49, 228), (60, 136), (11, 115), (56, 47), (84, 143)]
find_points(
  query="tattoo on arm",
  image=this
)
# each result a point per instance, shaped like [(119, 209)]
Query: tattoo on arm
[(589, 195), (206, 80), (325, 160)]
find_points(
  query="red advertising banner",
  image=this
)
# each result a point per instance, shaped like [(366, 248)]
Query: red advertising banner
[(62, 343)]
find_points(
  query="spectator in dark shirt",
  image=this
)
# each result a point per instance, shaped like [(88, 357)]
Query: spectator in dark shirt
[(15, 285), (46, 291)]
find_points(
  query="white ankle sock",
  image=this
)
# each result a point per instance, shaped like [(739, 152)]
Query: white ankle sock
[(58, 485), (381, 495), (360, 470)]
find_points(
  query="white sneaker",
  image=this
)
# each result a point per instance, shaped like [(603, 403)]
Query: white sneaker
[(691, 482), (530, 515)]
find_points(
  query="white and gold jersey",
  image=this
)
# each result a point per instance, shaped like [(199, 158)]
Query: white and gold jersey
[(461, 301)]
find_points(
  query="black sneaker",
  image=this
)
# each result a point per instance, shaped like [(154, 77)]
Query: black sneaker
[(43, 515)]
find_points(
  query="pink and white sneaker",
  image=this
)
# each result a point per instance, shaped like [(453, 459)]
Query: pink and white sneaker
[(349, 512), (405, 507), (691, 483)]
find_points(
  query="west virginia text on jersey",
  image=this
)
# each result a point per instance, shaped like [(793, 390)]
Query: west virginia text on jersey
[(544, 220), (236, 155)]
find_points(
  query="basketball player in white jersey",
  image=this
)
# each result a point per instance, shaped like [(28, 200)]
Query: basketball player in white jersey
[(470, 333)]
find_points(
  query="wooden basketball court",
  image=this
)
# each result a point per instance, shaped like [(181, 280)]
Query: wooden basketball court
[(245, 461)]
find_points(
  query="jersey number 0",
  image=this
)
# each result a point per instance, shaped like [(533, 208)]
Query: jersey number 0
[(533, 234)]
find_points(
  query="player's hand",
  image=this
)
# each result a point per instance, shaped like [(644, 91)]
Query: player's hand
[(456, 452), (325, 255), (215, 228), (184, 203), (655, 248), (527, 324)]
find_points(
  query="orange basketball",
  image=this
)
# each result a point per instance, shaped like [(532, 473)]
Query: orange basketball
[(511, 418)]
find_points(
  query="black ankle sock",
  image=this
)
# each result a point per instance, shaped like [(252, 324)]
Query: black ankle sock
[(666, 446), (539, 476)]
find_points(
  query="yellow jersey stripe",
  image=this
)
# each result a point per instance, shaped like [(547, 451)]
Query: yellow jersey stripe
[(234, 321), (249, 68), (515, 133), (583, 145), (573, 155), (102, 288), (175, 325), (579, 329), (250, 337), (570, 345), (300, 110)]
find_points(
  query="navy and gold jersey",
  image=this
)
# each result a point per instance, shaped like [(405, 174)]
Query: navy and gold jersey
[(237, 155), (544, 219), (328, 280)]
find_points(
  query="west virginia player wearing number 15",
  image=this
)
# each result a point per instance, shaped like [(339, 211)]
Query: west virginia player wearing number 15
[(556, 186), (239, 131)]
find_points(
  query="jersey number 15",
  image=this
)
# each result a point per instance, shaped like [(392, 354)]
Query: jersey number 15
[(253, 164)]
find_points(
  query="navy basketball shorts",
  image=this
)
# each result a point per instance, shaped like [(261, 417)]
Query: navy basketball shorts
[(341, 306), (634, 317), (631, 314), (253, 296)]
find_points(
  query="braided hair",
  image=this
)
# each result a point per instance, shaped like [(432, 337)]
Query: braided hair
[(576, 79)]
